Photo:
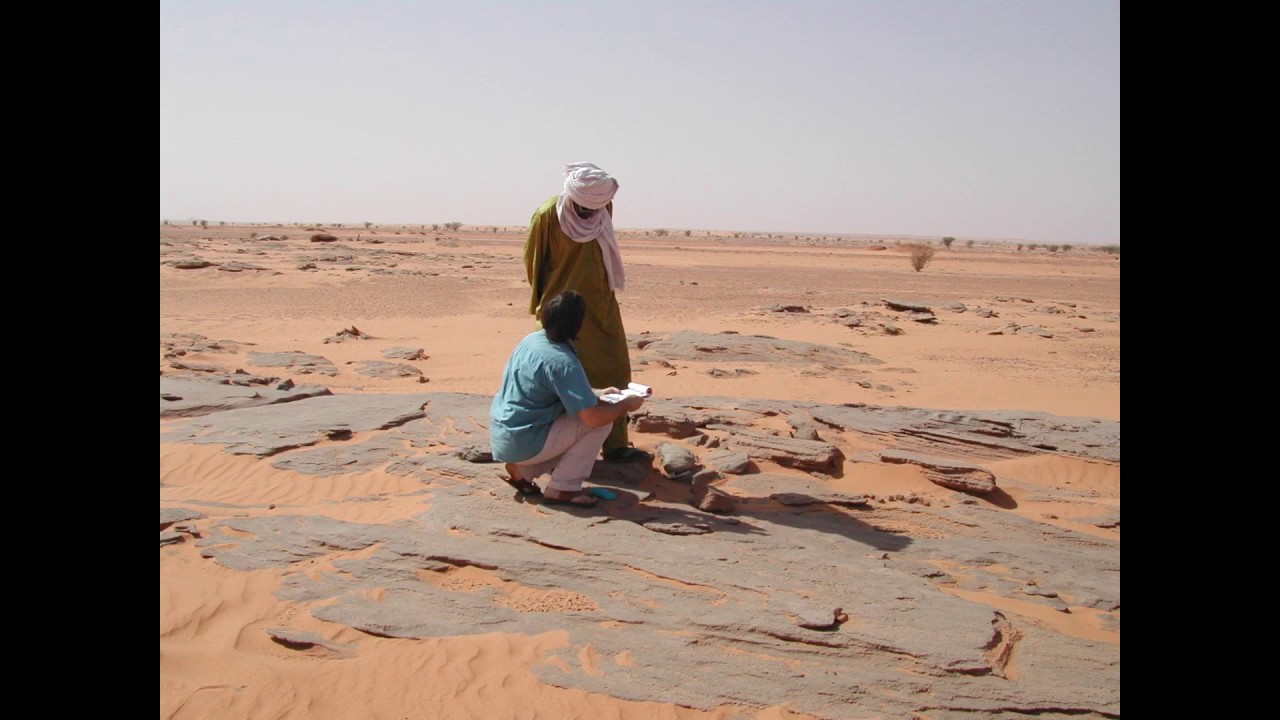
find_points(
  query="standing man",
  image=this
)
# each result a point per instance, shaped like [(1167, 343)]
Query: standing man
[(571, 246)]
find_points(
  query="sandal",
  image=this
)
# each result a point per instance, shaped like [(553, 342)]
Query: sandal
[(627, 455), (525, 487), (582, 498)]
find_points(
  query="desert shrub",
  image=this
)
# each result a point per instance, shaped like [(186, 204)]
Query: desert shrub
[(920, 256), (1066, 248), (1052, 248), (1019, 247), (1110, 249), (1032, 246), (968, 243), (367, 224), (660, 232), (947, 241), (453, 226)]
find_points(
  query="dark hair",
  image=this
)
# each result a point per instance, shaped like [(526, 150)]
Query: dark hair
[(562, 316)]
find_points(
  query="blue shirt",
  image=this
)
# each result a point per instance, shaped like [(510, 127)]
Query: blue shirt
[(542, 381)]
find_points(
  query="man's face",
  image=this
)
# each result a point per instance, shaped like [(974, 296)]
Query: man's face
[(584, 213)]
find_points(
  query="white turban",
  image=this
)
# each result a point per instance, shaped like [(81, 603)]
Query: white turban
[(592, 188)]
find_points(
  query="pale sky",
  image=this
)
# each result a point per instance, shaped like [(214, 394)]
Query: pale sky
[(995, 119)]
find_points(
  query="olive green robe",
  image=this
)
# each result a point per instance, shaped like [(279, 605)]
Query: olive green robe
[(556, 263)]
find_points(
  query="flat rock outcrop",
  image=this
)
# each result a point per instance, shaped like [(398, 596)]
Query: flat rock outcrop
[(862, 608)]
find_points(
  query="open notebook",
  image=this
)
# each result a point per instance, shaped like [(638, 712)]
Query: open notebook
[(631, 390)]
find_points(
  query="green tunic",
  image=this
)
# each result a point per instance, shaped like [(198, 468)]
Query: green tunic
[(556, 263)]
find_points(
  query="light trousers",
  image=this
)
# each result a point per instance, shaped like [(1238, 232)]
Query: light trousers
[(569, 454)]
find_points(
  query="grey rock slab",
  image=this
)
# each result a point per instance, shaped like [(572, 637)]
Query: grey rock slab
[(272, 429), (342, 458), (299, 361), (790, 452), (177, 364), (689, 345), (194, 342), (189, 263), (236, 266), (405, 353), (905, 305), (733, 462), (183, 397), (954, 474), (696, 611), (453, 419), (169, 516), (693, 608), (170, 537), (384, 369)]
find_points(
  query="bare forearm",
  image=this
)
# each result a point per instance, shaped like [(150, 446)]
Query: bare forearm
[(606, 413)]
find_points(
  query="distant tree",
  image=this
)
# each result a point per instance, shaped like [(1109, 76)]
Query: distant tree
[(947, 241), (660, 232), (1052, 248), (968, 243), (367, 224), (204, 223), (1066, 248), (1019, 247), (687, 233), (435, 227), (453, 226), (921, 254), (1032, 246)]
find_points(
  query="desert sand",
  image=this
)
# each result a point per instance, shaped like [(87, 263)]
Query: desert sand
[(878, 492)]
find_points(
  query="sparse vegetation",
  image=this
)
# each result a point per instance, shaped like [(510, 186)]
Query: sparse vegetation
[(1110, 249), (1019, 247), (947, 241), (1052, 248), (660, 232), (687, 233), (920, 256), (1032, 246), (367, 224), (454, 226), (1066, 248), (968, 243)]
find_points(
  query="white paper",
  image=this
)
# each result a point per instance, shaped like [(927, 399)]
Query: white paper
[(632, 390)]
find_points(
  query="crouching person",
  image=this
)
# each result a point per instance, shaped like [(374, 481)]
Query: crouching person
[(546, 416)]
